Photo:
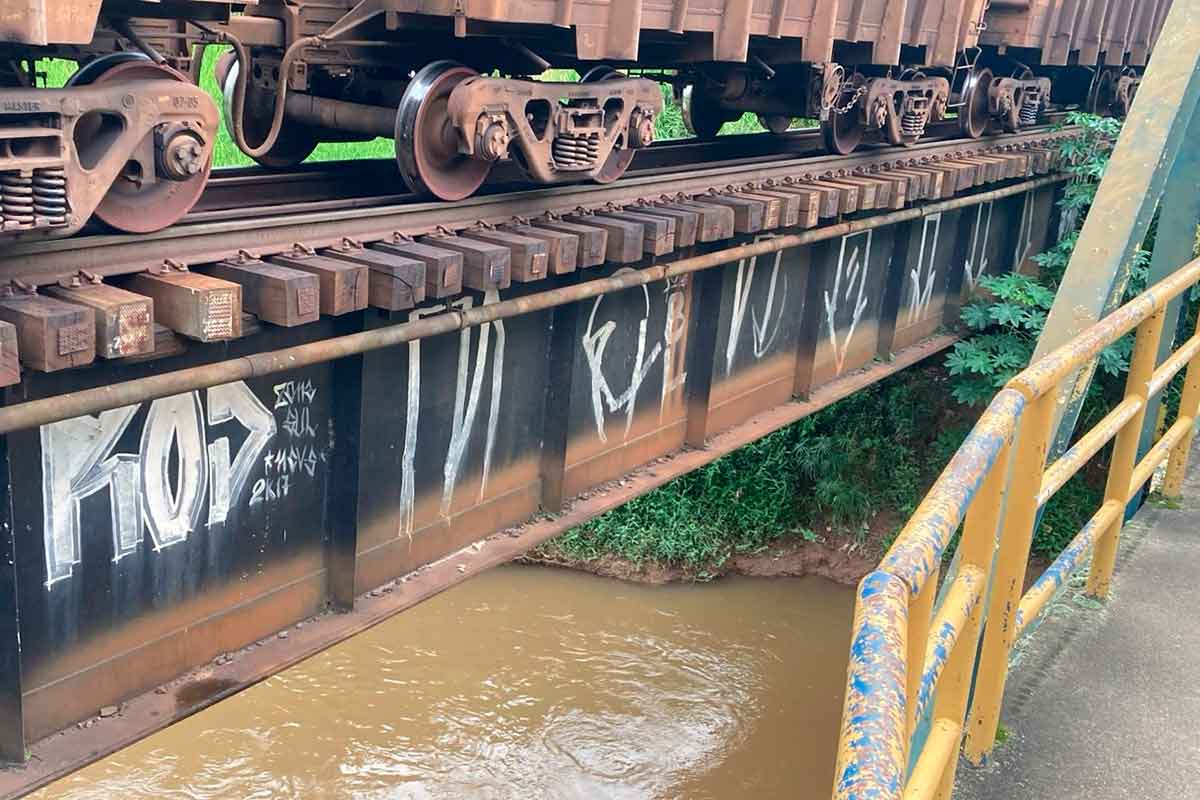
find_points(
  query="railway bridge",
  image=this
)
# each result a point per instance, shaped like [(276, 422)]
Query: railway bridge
[(270, 414)]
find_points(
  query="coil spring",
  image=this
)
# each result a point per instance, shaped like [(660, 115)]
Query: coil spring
[(50, 194), (16, 199), (1030, 104), (912, 122), (576, 152)]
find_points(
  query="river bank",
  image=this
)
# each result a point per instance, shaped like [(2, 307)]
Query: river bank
[(842, 560)]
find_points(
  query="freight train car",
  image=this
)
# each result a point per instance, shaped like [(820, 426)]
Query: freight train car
[(130, 138)]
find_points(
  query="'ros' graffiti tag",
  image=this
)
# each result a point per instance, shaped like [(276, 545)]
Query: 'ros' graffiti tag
[(78, 461)]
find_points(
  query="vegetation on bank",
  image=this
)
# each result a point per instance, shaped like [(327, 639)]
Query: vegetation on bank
[(860, 466), (820, 477)]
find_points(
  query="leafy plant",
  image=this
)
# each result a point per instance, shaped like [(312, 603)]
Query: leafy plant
[(1007, 321)]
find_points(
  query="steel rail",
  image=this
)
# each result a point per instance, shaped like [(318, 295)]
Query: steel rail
[(108, 255), (90, 401), (229, 188)]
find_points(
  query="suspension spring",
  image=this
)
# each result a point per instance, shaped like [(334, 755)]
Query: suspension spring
[(50, 195), (16, 200), (571, 151), (912, 122), (1031, 103)]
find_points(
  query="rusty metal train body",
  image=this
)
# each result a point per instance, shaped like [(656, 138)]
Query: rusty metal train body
[(129, 140)]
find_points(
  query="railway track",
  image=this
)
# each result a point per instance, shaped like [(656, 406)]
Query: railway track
[(227, 226), (365, 182)]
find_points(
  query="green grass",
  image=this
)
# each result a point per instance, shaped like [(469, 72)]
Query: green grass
[(669, 124), (865, 460)]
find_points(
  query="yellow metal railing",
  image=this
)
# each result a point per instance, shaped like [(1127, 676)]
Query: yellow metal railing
[(903, 658)]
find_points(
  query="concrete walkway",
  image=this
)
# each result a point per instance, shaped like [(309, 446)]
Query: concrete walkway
[(1103, 702)]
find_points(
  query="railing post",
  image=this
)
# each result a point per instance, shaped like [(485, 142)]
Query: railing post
[(1008, 579), (920, 612), (977, 549), (1125, 452), (1189, 406)]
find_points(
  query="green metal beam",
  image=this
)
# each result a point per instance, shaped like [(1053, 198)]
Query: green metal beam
[(1175, 239), (1151, 139)]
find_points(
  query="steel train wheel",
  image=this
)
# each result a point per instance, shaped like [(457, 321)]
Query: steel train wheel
[(295, 142), (426, 141), (842, 132), (618, 160), (973, 116), (131, 204), (775, 123), (843, 128), (701, 115), (1101, 94)]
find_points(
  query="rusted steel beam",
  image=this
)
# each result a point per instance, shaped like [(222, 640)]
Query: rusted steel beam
[(91, 401), (12, 706)]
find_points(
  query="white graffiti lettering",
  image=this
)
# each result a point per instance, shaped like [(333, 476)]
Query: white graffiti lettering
[(467, 394), (595, 341), (854, 271), (771, 311), (923, 277), (1024, 232), (674, 330), (234, 402), (975, 267)]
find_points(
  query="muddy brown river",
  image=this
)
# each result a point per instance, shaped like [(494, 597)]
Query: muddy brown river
[(528, 683)]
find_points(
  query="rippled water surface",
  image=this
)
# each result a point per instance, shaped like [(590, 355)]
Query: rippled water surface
[(531, 683)]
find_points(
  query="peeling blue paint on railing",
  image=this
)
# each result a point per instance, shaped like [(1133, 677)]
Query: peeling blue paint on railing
[(871, 764)]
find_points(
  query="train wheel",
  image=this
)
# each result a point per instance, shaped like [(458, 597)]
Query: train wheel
[(701, 115), (427, 142), (618, 160), (133, 204), (842, 132), (775, 123), (294, 143), (973, 116), (221, 68)]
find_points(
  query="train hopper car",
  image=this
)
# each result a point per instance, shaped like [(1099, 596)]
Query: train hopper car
[(1092, 53)]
